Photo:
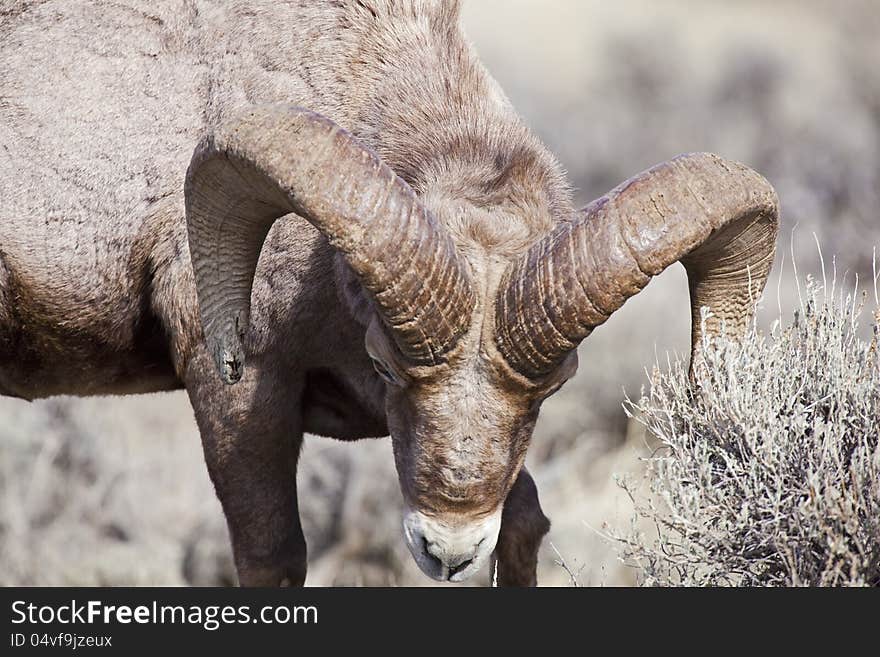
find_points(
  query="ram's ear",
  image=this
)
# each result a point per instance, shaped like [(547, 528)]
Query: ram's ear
[(277, 160), (569, 366), (717, 217), (551, 382)]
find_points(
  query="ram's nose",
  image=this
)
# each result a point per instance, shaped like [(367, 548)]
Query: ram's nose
[(450, 550)]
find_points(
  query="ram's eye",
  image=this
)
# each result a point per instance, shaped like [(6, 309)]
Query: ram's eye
[(385, 372)]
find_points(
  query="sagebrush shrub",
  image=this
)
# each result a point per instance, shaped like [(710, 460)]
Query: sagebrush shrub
[(766, 470)]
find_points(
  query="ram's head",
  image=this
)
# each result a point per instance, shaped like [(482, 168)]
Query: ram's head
[(470, 346)]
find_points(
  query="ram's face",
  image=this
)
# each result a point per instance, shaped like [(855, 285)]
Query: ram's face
[(460, 432), (469, 357)]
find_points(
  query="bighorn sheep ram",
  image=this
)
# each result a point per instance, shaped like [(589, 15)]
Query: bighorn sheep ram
[(333, 205)]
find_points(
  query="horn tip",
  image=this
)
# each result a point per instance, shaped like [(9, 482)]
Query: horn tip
[(230, 363)]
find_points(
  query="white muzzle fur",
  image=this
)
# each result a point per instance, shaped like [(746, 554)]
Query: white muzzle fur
[(450, 551)]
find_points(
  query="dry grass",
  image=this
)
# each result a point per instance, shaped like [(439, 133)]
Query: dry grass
[(767, 472), (114, 490)]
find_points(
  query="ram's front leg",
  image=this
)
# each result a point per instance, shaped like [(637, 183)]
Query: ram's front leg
[(251, 435), (523, 525)]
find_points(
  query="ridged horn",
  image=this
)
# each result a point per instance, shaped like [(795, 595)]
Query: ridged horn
[(275, 160), (719, 218)]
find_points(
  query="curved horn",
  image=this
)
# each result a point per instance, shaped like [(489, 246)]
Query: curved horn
[(271, 161), (718, 217)]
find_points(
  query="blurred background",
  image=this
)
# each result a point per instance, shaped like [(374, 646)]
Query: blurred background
[(114, 490)]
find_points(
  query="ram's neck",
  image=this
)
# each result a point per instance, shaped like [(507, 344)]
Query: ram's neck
[(424, 102)]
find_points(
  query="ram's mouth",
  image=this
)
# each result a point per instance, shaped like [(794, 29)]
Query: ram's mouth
[(450, 552)]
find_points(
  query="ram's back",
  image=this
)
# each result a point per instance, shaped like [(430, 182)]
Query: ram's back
[(101, 104), (95, 116)]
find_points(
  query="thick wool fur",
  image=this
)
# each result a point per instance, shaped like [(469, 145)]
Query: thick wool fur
[(101, 104)]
